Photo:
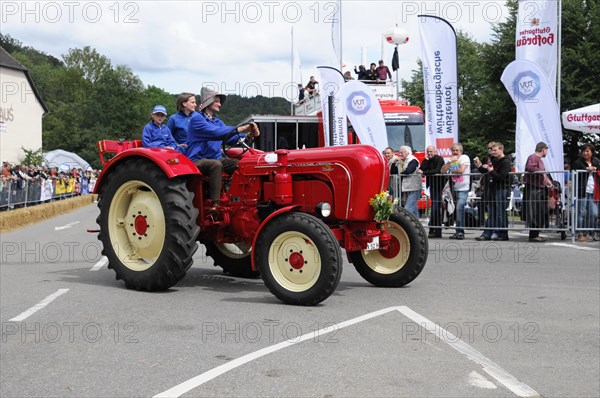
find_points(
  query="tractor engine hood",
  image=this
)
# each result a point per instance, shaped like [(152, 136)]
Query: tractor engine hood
[(355, 172)]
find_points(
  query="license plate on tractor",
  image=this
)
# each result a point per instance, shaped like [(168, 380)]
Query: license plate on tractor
[(374, 244)]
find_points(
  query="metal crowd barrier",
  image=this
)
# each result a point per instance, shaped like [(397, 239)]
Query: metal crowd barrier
[(586, 204), (23, 193), (553, 203)]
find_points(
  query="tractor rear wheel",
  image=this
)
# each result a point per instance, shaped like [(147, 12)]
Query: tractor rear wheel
[(404, 258), (299, 259), (147, 225), (234, 258)]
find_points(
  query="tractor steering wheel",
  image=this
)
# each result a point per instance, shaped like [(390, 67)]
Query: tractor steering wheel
[(243, 143)]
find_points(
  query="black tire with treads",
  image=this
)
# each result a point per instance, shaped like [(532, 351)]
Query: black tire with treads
[(156, 255)]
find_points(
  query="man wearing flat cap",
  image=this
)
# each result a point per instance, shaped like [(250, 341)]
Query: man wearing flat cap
[(205, 138)]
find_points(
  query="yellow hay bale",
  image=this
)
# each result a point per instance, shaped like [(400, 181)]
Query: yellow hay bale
[(30, 215)]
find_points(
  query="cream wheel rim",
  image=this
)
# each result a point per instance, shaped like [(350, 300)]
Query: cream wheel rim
[(136, 225), (294, 261)]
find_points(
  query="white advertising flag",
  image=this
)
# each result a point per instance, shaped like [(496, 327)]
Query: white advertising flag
[(336, 31), (365, 114), (440, 78), (537, 41), (331, 81), (531, 92), (296, 63), (585, 119)]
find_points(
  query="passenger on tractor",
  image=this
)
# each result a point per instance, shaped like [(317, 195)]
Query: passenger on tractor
[(205, 138), (156, 135), (179, 122)]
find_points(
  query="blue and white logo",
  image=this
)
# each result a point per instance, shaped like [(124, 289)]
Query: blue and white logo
[(358, 103), (526, 85)]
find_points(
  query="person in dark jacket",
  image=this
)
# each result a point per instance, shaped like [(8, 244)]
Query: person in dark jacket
[(496, 177), (371, 74), (431, 168), (588, 184), (485, 192), (361, 72)]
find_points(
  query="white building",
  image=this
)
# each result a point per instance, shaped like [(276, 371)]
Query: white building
[(21, 110)]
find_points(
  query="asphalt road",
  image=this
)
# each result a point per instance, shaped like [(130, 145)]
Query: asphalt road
[(484, 319)]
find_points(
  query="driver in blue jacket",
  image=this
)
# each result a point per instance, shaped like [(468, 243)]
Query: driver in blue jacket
[(206, 133)]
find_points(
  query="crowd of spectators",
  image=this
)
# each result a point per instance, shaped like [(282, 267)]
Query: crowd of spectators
[(375, 74), (487, 187), (23, 185)]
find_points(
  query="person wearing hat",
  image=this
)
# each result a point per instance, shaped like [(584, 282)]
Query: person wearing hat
[(156, 134), (205, 138), (179, 122)]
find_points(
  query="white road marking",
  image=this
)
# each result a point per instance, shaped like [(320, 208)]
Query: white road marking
[(103, 261), (477, 380), (24, 315), (490, 367), (574, 246), (67, 226)]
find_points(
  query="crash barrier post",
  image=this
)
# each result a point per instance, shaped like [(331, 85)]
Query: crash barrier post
[(495, 206)]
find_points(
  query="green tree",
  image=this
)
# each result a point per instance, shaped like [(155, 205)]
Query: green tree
[(32, 156), (580, 66), (87, 62), (154, 96)]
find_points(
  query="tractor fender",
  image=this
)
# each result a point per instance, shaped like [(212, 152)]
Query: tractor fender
[(172, 163), (286, 209)]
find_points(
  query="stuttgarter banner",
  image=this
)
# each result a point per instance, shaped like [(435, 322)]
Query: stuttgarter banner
[(585, 119), (440, 78), (331, 81), (537, 41), (365, 114), (531, 92)]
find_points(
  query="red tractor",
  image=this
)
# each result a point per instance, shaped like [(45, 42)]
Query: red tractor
[(284, 215)]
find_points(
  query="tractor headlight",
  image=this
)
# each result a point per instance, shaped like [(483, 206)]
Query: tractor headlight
[(324, 209)]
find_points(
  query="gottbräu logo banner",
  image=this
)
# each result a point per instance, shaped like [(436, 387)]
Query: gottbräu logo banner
[(440, 78), (536, 40)]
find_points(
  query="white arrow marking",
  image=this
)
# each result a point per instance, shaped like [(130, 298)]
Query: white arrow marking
[(477, 380), (69, 225)]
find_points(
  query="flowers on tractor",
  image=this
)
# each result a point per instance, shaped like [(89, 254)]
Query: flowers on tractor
[(383, 205)]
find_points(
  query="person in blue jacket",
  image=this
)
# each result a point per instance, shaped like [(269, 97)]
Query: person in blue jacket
[(205, 138), (156, 134), (179, 122)]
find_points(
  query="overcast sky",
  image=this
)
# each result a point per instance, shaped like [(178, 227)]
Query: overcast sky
[(243, 47)]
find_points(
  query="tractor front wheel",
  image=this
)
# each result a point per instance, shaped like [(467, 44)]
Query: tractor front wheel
[(147, 225), (402, 260), (299, 259)]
